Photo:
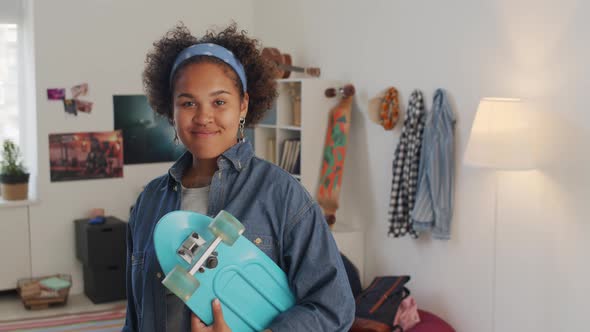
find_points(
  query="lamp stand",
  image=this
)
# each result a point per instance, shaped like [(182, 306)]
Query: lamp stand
[(494, 251)]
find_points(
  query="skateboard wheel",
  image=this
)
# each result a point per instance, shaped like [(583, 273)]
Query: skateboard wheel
[(181, 283), (227, 227)]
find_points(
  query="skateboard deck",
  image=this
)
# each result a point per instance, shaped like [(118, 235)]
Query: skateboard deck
[(205, 258), (334, 154)]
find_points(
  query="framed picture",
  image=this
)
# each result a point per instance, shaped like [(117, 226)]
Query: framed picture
[(83, 156), (148, 137)]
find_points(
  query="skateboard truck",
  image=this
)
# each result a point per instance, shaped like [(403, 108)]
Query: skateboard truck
[(206, 257), (190, 246), (345, 91), (193, 246), (227, 229)]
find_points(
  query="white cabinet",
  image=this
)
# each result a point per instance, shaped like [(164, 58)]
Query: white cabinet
[(281, 124), (15, 254)]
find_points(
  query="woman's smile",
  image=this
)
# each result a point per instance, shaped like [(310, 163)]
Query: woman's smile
[(204, 133)]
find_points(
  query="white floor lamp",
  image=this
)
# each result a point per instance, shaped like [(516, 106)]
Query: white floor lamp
[(501, 139)]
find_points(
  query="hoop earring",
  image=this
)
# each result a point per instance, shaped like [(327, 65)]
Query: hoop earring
[(175, 137), (242, 137)]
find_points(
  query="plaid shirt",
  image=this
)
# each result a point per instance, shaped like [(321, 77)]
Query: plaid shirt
[(405, 169)]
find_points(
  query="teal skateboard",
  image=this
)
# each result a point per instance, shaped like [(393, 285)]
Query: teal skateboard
[(205, 258)]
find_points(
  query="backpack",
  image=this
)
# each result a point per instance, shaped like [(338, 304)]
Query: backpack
[(352, 272), (377, 305)]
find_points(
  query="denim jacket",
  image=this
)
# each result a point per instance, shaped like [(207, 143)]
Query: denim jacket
[(280, 217), (433, 209)]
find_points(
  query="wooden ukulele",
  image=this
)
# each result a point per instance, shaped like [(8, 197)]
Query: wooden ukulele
[(284, 63)]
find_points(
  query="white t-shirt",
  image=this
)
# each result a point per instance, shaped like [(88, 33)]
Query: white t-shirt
[(196, 200)]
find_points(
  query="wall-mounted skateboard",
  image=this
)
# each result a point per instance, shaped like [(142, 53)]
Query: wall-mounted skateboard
[(334, 154)]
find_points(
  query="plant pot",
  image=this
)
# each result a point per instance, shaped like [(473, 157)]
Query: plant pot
[(14, 187)]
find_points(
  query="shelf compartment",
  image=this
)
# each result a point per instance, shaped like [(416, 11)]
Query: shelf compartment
[(289, 106), (289, 150), (263, 143)]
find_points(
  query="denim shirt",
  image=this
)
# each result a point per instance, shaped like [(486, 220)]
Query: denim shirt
[(280, 217), (433, 209)]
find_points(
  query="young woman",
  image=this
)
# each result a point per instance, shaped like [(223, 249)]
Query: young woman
[(209, 89)]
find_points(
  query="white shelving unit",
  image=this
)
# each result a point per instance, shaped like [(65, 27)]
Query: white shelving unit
[(278, 124)]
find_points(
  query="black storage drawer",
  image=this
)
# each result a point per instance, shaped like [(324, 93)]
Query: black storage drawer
[(102, 250), (101, 244), (104, 283)]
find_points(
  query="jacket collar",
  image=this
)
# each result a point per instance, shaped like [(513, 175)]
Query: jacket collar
[(237, 157)]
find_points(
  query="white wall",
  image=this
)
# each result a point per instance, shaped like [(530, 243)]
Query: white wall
[(536, 50), (103, 43)]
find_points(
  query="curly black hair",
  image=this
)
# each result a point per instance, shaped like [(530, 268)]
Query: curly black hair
[(260, 72)]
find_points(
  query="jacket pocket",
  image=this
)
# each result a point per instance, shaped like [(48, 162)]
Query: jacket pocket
[(266, 243)]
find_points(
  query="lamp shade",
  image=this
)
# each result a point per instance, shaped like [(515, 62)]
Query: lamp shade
[(501, 136)]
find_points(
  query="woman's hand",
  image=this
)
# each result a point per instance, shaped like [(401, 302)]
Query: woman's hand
[(218, 325)]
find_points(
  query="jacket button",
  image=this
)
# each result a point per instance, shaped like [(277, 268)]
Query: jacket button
[(258, 240), (159, 275)]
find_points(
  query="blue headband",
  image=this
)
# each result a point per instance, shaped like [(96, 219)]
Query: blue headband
[(213, 50)]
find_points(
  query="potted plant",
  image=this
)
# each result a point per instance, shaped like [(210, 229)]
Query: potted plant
[(14, 178)]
